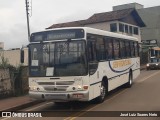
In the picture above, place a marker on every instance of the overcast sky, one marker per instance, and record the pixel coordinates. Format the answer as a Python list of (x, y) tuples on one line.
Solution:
[(13, 25)]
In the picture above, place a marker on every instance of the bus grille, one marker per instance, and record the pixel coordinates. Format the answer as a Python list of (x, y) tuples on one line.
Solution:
[(56, 86)]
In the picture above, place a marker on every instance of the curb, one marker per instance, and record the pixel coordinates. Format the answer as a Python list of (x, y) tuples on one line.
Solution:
[(22, 106)]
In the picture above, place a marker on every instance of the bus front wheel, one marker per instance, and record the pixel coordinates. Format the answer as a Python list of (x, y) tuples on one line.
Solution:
[(103, 90)]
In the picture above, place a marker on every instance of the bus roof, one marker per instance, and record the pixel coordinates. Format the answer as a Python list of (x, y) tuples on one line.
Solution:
[(107, 33), (98, 32)]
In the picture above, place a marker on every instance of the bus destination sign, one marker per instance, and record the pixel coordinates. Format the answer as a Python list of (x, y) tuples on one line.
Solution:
[(57, 35), (52, 36)]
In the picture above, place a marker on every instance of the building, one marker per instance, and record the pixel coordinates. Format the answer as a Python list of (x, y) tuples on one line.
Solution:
[(15, 57), (1, 45), (151, 17), (125, 21)]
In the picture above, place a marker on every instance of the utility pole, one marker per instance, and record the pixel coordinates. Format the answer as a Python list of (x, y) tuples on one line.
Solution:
[(27, 14)]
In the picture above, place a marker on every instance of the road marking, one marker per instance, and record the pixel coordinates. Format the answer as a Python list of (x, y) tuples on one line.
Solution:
[(5, 118), (39, 106), (30, 109), (147, 77), (81, 113)]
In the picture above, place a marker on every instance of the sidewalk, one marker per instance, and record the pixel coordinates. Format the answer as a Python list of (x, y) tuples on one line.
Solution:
[(16, 103)]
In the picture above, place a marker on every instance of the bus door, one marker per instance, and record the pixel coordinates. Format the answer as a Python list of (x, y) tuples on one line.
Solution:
[(93, 69)]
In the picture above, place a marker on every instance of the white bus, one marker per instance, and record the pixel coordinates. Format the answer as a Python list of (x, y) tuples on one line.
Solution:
[(80, 63)]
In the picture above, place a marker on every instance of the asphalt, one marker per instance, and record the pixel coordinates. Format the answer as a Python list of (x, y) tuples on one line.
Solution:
[(18, 103)]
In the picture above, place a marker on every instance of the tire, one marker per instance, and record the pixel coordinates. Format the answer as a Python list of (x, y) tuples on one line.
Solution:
[(103, 92), (130, 81)]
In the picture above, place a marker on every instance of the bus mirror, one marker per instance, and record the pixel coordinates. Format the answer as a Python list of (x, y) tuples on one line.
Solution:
[(22, 56)]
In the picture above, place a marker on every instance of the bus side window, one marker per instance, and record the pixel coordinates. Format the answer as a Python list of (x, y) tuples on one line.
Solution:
[(136, 49), (116, 48), (109, 48), (100, 48), (92, 50), (132, 49), (122, 49), (128, 49)]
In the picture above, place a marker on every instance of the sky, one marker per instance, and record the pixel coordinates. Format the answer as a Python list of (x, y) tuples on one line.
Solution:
[(13, 22)]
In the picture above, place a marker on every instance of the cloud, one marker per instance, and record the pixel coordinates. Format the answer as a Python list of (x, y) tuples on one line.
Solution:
[(16, 36), (13, 25), (7, 3)]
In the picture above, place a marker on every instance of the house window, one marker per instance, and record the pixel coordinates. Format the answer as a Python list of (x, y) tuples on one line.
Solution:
[(113, 27), (121, 27), (135, 30)]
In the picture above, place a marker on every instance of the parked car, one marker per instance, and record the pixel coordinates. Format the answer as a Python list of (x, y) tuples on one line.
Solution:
[(153, 64)]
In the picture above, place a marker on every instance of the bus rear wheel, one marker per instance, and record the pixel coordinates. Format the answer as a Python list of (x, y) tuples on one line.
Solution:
[(103, 90), (130, 81)]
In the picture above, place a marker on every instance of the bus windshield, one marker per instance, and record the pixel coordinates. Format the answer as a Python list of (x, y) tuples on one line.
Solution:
[(154, 60), (65, 58)]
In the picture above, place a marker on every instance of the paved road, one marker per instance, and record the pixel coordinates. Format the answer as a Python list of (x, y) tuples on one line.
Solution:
[(143, 96)]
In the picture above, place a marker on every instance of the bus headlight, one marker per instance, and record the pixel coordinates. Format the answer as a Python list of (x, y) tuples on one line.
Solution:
[(32, 88), (157, 64), (79, 87), (147, 65)]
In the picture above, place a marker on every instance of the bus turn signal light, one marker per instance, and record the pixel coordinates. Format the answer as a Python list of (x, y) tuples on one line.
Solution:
[(85, 87)]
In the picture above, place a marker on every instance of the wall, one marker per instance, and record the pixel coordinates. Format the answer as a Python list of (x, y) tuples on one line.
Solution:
[(102, 26), (14, 56), (1, 45), (151, 17), (25, 63), (106, 26), (5, 82), (127, 6)]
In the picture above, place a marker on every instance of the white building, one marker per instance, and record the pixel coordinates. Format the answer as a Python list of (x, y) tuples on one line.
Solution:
[(15, 57)]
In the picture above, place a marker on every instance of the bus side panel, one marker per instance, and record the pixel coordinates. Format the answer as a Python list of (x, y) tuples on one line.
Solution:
[(96, 79), (95, 84), (117, 81), (136, 73), (136, 68)]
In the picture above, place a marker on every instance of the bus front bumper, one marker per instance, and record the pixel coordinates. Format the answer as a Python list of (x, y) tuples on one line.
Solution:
[(67, 96)]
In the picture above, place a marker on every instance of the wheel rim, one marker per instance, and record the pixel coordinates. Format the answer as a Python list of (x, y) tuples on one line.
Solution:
[(130, 80), (103, 91)]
